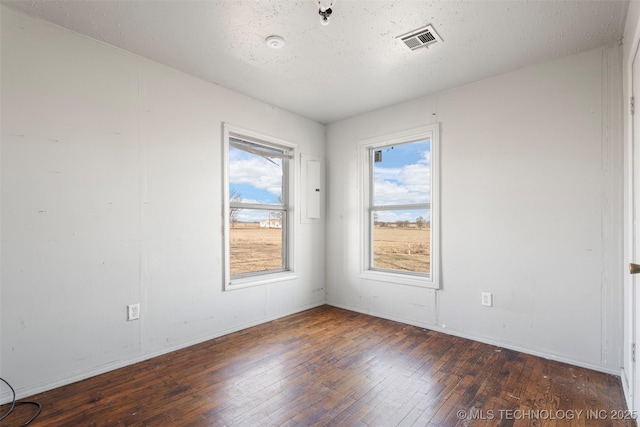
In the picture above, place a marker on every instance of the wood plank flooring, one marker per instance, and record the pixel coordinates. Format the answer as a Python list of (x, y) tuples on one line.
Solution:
[(332, 367)]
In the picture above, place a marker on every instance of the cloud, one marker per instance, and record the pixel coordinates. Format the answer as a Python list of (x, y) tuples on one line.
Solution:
[(256, 171), (404, 185)]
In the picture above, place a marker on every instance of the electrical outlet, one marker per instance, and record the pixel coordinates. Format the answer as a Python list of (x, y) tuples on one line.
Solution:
[(487, 299), (133, 311)]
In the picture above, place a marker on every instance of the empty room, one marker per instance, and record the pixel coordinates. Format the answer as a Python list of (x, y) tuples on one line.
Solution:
[(319, 212)]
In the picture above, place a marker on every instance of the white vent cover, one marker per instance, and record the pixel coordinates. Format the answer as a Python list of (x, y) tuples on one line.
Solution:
[(421, 37)]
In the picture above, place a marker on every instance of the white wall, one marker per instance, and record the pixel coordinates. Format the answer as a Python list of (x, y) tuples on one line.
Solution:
[(111, 195), (531, 210), (630, 42)]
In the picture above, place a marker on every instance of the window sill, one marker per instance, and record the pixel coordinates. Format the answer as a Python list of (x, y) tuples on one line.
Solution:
[(247, 282), (400, 279)]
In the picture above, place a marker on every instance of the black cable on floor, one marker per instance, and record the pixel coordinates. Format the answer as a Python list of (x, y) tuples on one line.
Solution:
[(14, 404)]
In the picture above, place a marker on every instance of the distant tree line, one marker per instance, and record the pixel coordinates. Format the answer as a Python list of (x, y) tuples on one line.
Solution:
[(420, 222)]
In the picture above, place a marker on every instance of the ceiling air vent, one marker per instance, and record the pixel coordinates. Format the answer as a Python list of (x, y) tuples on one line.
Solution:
[(421, 37)]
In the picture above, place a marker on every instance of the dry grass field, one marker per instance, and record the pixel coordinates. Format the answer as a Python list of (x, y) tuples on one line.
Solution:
[(255, 249), (406, 249)]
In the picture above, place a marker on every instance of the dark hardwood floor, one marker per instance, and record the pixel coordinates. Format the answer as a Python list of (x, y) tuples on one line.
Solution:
[(329, 366)]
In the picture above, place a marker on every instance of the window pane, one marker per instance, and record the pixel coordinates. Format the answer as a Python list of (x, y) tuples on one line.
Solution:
[(401, 174), (256, 238), (254, 177), (402, 240)]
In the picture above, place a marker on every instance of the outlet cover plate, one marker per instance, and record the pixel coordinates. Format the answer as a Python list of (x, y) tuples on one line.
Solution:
[(487, 299), (133, 311)]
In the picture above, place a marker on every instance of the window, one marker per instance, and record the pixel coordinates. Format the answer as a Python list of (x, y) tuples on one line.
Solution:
[(400, 219), (257, 208)]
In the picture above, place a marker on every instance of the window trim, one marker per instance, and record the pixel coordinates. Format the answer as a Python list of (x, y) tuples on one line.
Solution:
[(431, 132), (271, 276)]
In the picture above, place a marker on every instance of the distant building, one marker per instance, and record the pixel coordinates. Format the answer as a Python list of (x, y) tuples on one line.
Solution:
[(271, 223)]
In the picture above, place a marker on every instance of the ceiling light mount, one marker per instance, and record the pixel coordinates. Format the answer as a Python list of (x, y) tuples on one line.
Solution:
[(274, 42), (324, 10)]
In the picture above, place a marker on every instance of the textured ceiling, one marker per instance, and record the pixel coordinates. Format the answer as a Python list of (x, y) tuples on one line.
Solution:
[(353, 65)]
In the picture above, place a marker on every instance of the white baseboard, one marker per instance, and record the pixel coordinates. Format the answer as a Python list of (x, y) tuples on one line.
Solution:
[(30, 391), (510, 346)]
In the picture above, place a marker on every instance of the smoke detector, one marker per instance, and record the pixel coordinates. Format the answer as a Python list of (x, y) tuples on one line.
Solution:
[(422, 37), (274, 42)]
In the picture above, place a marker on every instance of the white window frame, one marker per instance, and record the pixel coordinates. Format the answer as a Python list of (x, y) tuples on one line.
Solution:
[(289, 184), (432, 280)]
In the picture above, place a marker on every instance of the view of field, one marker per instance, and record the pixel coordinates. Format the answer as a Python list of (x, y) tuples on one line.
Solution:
[(255, 249), (402, 248)]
